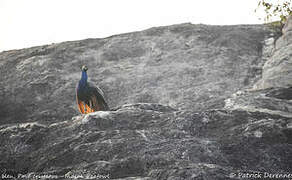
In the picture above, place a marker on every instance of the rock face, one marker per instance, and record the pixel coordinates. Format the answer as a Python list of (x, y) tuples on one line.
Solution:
[(183, 66), (188, 102), (277, 71)]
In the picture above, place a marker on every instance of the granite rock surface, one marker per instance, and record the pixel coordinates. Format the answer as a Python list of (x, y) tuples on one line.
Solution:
[(188, 102)]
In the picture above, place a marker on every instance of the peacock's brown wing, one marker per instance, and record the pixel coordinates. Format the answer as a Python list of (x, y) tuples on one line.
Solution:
[(97, 100), (91, 100)]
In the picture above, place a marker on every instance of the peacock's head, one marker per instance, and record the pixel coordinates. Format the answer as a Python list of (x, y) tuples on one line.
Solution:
[(84, 68)]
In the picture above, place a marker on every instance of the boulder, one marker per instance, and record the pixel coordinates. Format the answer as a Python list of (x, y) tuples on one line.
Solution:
[(187, 102), (277, 70)]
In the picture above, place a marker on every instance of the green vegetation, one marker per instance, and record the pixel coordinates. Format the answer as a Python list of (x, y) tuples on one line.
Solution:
[(276, 9)]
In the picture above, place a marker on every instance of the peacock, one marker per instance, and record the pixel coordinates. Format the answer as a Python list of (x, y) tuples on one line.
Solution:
[(90, 98)]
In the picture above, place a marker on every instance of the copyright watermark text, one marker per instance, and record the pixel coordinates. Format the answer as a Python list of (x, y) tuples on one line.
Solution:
[(53, 176), (261, 175)]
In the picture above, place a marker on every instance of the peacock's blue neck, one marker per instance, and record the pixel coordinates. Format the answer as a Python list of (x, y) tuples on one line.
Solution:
[(83, 79)]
